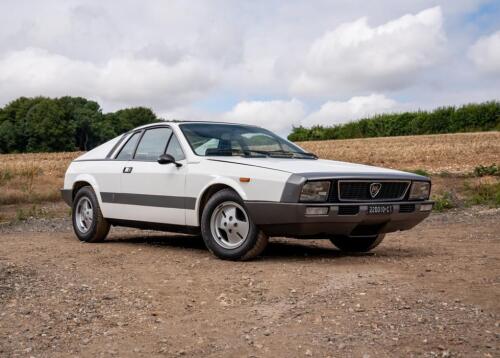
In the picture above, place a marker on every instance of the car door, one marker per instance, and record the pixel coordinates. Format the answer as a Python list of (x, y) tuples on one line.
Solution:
[(153, 192), (108, 175)]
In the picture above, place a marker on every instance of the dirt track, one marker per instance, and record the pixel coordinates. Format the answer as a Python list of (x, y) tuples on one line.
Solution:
[(431, 291)]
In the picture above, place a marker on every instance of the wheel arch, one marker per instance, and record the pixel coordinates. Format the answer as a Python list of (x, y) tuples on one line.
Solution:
[(210, 190), (85, 180)]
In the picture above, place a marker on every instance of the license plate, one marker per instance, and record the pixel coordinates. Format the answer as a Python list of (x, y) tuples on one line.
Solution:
[(380, 209)]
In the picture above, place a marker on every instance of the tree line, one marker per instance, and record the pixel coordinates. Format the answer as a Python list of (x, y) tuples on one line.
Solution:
[(467, 118), (44, 124)]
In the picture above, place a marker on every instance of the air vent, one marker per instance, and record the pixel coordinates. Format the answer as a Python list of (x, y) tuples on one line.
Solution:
[(348, 210), (406, 208)]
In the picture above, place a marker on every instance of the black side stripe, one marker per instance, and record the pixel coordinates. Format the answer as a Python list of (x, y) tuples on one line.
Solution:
[(160, 201)]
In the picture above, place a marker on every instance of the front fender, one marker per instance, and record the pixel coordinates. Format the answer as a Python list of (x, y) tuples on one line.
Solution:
[(231, 183)]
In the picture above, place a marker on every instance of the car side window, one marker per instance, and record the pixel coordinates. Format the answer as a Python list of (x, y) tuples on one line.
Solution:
[(153, 143), (127, 150), (174, 148)]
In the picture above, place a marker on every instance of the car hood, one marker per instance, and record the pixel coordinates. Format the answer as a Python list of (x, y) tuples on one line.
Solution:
[(320, 167)]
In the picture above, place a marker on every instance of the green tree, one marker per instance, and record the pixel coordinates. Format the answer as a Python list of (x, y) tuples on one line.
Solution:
[(48, 130), (129, 118), (7, 137), (83, 113), (15, 112), (66, 123)]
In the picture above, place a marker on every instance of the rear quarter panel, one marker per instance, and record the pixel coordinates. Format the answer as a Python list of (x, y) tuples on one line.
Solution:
[(102, 175)]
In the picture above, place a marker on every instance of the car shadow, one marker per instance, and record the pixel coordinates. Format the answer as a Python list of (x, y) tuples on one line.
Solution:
[(306, 249), (165, 240), (277, 249)]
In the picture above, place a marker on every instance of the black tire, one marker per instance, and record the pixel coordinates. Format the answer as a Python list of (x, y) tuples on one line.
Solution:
[(99, 227), (357, 243), (252, 246)]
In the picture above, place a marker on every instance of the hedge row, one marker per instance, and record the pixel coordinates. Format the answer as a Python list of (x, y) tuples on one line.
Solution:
[(467, 118)]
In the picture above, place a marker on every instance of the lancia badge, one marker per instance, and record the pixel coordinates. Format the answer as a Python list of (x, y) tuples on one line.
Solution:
[(375, 189)]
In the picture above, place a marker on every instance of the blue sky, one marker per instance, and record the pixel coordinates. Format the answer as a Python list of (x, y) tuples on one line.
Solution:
[(272, 63)]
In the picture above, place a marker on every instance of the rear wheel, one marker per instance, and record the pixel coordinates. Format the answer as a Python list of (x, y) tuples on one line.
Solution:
[(357, 243), (228, 231), (88, 223)]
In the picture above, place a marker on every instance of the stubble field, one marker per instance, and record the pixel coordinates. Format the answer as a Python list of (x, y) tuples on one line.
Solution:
[(456, 153), (30, 183), (428, 292)]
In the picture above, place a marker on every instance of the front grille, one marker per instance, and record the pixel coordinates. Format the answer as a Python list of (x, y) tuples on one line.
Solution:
[(406, 208), (348, 210), (359, 190)]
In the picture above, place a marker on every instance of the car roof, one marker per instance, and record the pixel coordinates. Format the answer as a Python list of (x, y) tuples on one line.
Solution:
[(176, 122)]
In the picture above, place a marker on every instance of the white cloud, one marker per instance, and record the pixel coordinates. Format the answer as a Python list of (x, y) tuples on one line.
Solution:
[(123, 80), (278, 116), (333, 112), (356, 56), (485, 53), (206, 60)]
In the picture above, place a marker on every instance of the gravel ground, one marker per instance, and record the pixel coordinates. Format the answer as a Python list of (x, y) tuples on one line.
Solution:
[(433, 291)]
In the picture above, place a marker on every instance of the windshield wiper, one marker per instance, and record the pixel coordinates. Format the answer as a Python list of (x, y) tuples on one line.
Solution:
[(232, 152), (267, 153), (287, 153)]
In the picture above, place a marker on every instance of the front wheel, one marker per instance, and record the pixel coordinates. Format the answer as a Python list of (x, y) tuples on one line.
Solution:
[(228, 231), (88, 223), (357, 243)]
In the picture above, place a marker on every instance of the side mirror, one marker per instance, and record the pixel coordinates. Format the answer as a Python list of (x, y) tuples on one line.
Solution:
[(168, 159)]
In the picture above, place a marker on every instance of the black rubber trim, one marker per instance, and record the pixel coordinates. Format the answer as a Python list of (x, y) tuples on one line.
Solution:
[(138, 142), (117, 144), (161, 201), (293, 187), (185, 229), (365, 176), (67, 196)]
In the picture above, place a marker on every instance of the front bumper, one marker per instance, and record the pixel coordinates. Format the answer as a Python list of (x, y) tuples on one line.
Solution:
[(290, 219)]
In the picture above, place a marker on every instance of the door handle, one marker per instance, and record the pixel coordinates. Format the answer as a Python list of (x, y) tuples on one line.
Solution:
[(127, 170)]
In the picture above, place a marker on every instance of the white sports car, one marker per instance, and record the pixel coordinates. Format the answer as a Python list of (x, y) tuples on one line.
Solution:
[(237, 185)]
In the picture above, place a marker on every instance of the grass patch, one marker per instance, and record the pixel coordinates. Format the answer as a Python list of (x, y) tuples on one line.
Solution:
[(444, 202), (33, 212), (481, 170), (22, 215), (446, 174), (483, 194)]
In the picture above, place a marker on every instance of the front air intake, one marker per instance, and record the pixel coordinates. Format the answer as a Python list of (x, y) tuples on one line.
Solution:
[(371, 190), (348, 210)]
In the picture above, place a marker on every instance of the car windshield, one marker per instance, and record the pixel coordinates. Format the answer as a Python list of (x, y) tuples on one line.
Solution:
[(207, 139)]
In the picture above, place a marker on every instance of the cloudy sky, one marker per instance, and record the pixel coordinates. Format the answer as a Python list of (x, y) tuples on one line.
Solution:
[(271, 63)]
